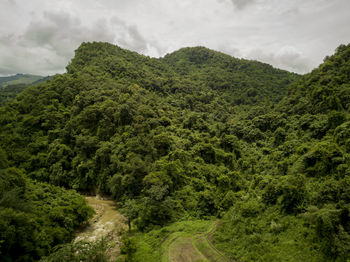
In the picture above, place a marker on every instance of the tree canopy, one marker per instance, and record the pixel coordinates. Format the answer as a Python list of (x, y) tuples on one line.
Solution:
[(194, 134)]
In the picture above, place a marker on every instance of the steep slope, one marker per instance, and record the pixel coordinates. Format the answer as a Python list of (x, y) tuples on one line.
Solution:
[(297, 208), (326, 88), (106, 92), (247, 80)]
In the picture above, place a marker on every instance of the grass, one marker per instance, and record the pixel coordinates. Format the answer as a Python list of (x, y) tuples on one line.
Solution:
[(156, 245), (204, 246), (24, 79), (267, 237)]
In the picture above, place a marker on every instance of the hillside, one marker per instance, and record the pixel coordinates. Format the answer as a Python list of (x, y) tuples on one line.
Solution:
[(245, 79), (297, 205), (11, 86), (18, 79), (191, 136)]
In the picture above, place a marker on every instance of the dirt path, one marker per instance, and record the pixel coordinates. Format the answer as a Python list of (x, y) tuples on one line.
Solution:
[(183, 250), (197, 248), (108, 223)]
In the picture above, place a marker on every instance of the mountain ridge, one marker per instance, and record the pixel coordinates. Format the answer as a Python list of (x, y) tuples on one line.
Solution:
[(18, 79)]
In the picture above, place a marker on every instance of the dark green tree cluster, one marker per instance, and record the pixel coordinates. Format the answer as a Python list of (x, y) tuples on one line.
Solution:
[(9, 93), (35, 216), (197, 134)]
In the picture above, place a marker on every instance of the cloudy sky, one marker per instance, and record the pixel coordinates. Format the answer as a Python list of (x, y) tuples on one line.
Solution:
[(39, 37)]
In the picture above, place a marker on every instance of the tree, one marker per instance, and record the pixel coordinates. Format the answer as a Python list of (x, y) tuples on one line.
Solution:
[(128, 248), (130, 210)]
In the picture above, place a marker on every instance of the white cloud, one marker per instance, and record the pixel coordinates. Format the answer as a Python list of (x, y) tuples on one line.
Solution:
[(40, 36), (287, 57), (49, 41), (240, 4)]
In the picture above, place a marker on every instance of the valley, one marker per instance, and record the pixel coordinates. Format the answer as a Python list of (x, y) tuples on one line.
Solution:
[(209, 157)]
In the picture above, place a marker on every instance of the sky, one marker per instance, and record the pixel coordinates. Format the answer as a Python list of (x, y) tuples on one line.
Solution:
[(40, 36)]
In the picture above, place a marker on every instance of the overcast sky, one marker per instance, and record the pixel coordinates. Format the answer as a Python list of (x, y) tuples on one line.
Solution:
[(39, 37)]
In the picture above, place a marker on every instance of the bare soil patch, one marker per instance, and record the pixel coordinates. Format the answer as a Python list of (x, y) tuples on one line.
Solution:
[(182, 250), (107, 223)]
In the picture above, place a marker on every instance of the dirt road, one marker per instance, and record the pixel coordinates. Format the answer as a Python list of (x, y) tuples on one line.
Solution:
[(197, 248)]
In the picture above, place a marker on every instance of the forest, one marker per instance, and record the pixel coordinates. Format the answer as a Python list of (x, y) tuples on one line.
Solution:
[(196, 135), (11, 86)]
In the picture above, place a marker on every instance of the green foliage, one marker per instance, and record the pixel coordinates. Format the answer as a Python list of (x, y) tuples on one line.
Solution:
[(79, 252), (130, 210), (9, 93), (128, 248), (293, 192), (19, 79), (11, 86), (191, 135), (330, 223), (325, 88), (155, 244), (304, 169), (323, 159), (35, 216), (266, 236)]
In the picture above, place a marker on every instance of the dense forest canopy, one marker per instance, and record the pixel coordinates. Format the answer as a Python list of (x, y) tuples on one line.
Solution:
[(194, 134)]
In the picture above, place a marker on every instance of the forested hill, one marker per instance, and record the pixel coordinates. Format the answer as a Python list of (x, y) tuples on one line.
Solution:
[(108, 92), (220, 71), (251, 80), (298, 201), (193, 135), (11, 86), (18, 79), (326, 88)]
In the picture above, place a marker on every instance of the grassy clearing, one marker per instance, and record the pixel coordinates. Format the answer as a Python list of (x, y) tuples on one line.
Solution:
[(184, 250), (179, 242), (267, 237), (157, 244)]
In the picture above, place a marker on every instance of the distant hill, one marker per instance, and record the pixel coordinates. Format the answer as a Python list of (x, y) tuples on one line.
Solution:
[(19, 79), (42, 80), (11, 86)]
